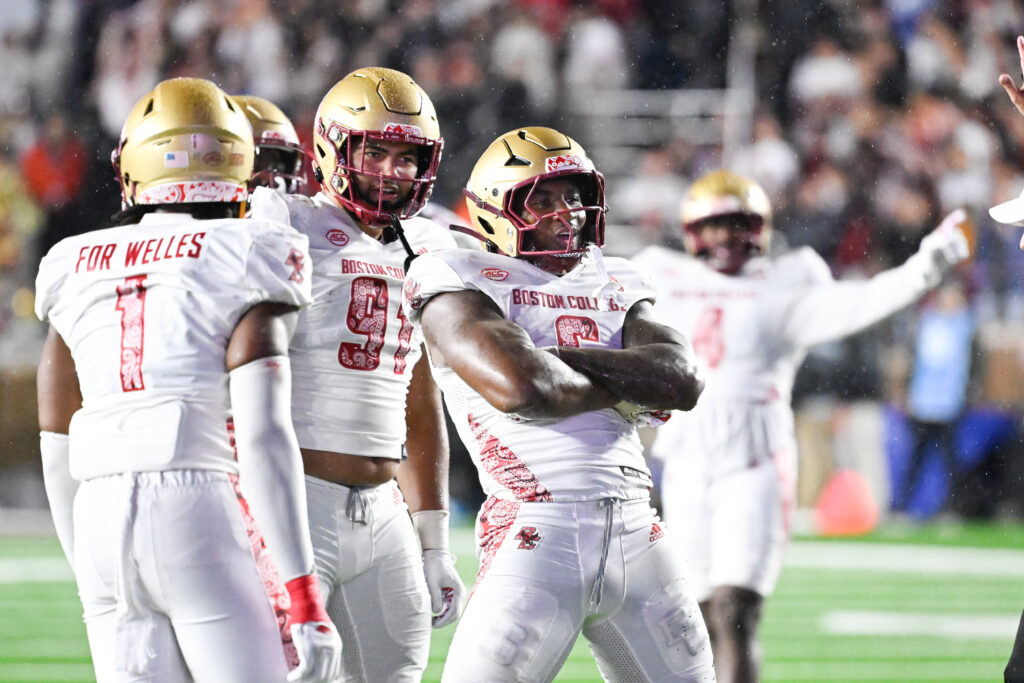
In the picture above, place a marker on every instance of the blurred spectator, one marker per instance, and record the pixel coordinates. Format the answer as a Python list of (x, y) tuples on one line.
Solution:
[(127, 56), (53, 169), (938, 383), (521, 52), (595, 54), (770, 159), (648, 201)]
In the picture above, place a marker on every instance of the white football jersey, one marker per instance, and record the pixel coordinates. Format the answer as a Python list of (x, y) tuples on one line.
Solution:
[(585, 457), (147, 311), (354, 349), (751, 332)]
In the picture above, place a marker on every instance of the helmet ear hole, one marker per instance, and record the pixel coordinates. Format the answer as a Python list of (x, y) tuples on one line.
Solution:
[(486, 226)]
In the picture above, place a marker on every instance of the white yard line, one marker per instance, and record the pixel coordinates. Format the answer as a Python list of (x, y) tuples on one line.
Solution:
[(35, 570), (918, 559), (949, 626)]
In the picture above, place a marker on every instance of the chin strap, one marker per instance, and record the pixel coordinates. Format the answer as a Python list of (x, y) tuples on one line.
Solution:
[(609, 290), (396, 226)]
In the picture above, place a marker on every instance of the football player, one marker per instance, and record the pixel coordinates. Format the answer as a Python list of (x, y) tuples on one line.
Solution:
[(548, 355), (160, 329), (730, 464), (365, 406), (1012, 213), (279, 154)]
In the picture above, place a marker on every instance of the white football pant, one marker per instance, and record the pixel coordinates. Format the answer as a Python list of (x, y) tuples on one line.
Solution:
[(371, 575), (733, 530), (168, 582), (553, 570)]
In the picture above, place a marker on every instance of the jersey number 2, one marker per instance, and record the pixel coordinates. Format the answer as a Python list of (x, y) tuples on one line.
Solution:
[(131, 301), (572, 329), (368, 316)]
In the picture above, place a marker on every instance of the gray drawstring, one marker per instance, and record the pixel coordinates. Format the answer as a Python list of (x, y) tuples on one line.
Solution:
[(609, 509), (357, 505)]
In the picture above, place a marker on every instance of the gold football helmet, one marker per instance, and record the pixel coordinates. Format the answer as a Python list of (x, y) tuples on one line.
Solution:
[(508, 172), (185, 141), (726, 198), (375, 104), (279, 153)]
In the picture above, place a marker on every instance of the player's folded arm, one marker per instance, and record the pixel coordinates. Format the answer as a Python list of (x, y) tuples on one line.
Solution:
[(496, 358), (656, 368)]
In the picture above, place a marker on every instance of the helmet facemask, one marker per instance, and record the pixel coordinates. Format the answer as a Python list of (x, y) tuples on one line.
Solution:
[(585, 222), (744, 240), (341, 184), (278, 165)]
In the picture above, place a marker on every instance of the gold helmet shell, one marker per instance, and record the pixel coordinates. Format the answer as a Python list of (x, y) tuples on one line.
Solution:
[(279, 153), (508, 171), (379, 104), (185, 141), (723, 194)]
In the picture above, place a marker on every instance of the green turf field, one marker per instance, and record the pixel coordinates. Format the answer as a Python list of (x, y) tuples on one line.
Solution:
[(934, 603)]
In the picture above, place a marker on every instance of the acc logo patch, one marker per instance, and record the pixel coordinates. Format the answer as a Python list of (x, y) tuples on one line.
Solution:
[(337, 237), (528, 538), (403, 128), (563, 162), (496, 274), (213, 158)]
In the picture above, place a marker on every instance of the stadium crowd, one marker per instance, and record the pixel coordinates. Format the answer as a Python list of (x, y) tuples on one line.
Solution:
[(873, 120)]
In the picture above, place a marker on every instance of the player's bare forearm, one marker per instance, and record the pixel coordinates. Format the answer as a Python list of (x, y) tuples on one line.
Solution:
[(423, 476), (661, 376), (497, 359), (655, 368), (58, 392)]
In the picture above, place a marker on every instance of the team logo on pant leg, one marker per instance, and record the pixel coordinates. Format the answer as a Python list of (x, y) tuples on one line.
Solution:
[(528, 538)]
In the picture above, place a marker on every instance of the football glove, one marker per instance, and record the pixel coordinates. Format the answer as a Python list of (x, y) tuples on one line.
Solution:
[(640, 415), (446, 589), (315, 639), (945, 246)]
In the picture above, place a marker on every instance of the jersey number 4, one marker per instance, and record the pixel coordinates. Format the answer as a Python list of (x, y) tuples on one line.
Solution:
[(368, 316), (708, 341), (131, 301)]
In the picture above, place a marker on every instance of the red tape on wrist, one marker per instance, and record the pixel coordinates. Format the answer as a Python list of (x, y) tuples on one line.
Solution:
[(307, 605)]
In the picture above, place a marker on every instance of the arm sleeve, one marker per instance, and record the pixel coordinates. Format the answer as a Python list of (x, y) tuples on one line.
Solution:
[(269, 463), (816, 314), (60, 488)]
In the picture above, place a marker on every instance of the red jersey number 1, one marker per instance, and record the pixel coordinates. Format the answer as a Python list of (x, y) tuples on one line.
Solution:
[(131, 301)]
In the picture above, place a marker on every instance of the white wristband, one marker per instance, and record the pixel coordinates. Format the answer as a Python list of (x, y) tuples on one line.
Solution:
[(432, 527)]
